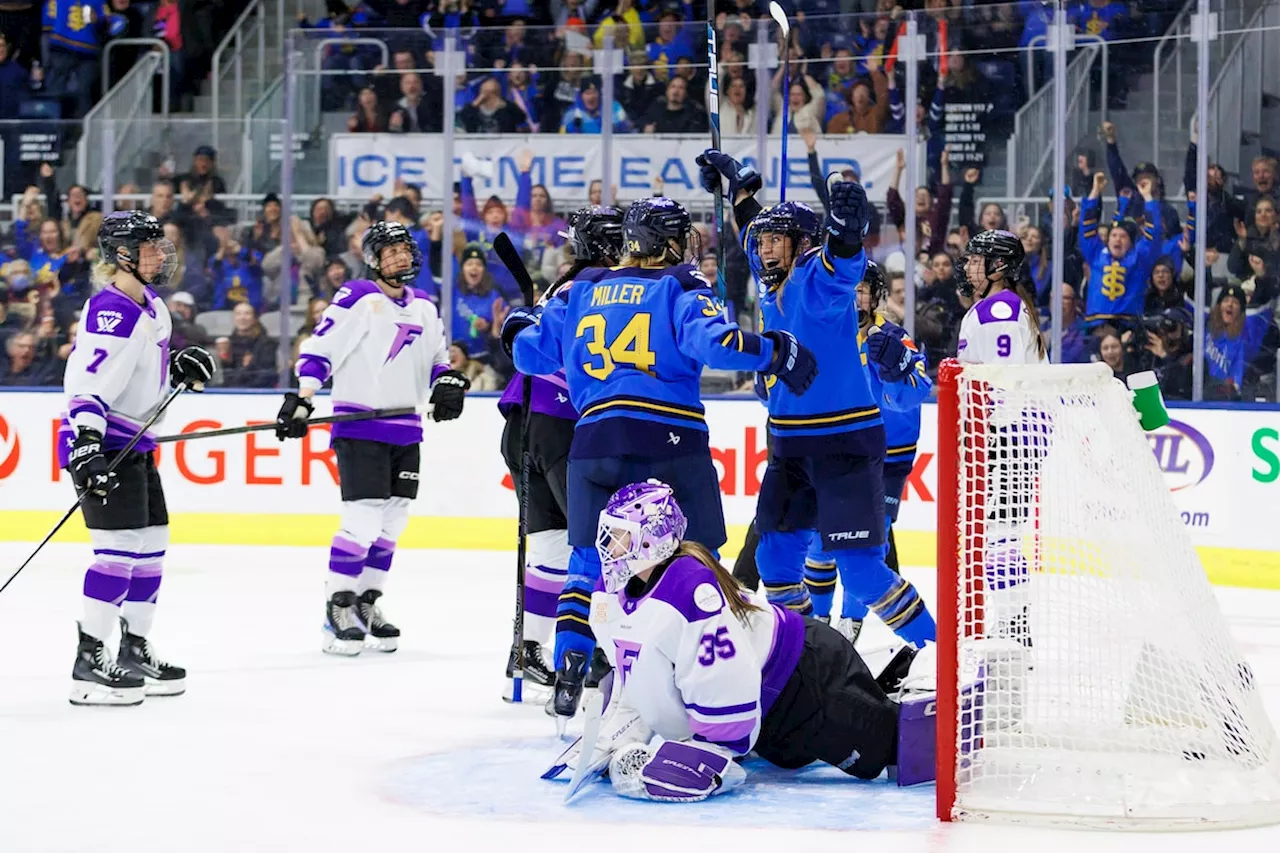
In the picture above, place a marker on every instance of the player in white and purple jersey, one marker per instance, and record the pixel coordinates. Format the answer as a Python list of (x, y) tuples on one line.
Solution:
[(383, 345), (1003, 327), (709, 672), (595, 238), (118, 374)]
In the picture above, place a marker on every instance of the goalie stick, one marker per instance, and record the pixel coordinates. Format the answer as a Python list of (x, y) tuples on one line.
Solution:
[(115, 463), (587, 772), (510, 258)]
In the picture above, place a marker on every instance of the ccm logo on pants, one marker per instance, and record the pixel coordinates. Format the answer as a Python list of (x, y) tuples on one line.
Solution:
[(408, 475)]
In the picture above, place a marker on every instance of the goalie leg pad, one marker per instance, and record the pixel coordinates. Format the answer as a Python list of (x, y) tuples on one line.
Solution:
[(620, 727), (674, 772)]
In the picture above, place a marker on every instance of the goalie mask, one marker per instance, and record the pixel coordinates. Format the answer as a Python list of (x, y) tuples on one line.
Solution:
[(640, 527), (790, 219)]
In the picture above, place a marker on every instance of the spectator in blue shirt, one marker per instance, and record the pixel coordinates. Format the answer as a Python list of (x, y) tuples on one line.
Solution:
[(585, 115)]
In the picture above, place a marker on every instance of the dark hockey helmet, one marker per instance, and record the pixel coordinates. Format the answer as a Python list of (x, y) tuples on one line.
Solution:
[(794, 219), (379, 236), (595, 234), (651, 224), (120, 240), (1003, 253), (873, 277)]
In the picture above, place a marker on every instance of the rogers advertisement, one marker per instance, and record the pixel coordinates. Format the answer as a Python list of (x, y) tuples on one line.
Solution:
[(1222, 466)]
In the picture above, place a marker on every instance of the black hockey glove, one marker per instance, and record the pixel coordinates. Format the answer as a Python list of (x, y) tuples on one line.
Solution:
[(88, 466), (192, 365), (712, 164), (847, 213), (517, 321), (891, 354), (793, 363), (447, 394), (291, 422)]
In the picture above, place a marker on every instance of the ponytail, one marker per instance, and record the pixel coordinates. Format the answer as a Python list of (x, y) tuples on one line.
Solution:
[(1026, 290), (739, 605)]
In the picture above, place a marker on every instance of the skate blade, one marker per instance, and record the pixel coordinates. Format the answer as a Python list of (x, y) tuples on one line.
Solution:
[(331, 645), (172, 687), (381, 644), (90, 694)]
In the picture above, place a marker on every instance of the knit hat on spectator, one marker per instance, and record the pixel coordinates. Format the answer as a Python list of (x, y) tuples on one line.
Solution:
[(672, 7), (474, 250), (588, 81), (207, 151), (1236, 291), (1146, 168), (269, 198), (183, 298), (1177, 315)]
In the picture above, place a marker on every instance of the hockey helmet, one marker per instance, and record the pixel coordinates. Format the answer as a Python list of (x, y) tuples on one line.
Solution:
[(640, 526), (794, 219), (650, 225), (120, 240), (379, 236), (595, 234), (1003, 253), (873, 278)]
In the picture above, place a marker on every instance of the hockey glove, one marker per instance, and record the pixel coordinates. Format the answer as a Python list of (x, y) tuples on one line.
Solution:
[(793, 363), (712, 164), (517, 321), (760, 385), (88, 466), (447, 394), (192, 365), (847, 213), (674, 771), (891, 354), (291, 422)]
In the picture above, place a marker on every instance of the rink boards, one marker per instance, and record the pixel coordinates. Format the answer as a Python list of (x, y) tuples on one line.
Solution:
[(1222, 465)]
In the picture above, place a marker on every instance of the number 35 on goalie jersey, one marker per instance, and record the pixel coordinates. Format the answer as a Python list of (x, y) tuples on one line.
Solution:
[(632, 343)]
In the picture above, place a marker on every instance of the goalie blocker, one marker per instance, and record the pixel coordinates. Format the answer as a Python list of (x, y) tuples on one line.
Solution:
[(709, 673)]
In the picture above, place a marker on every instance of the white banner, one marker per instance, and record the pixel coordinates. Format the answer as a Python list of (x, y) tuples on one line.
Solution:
[(1223, 466), (361, 164)]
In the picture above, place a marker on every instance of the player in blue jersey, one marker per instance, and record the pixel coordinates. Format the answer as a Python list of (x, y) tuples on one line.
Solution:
[(1119, 270), (595, 238), (900, 402), (632, 341), (828, 446)]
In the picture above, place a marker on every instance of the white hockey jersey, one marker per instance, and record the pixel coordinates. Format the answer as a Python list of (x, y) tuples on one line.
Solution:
[(118, 371), (998, 330), (381, 353), (687, 666)]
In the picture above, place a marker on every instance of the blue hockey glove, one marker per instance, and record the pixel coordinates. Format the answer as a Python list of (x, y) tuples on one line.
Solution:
[(517, 321), (848, 213), (793, 363), (712, 164), (890, 354)]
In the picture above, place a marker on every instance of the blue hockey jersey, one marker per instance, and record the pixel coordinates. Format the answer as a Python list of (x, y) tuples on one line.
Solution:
[(899, 401), (632, 343), (838, 413), (1117, 286)]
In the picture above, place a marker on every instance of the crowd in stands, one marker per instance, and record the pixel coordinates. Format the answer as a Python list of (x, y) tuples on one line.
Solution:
[(1127, 271)]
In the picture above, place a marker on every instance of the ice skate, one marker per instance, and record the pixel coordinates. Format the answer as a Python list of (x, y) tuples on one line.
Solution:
[(97, 680), (342, 632), (538, 680), (849, 628), (379, 633), (563, 703), (599, 668), (138, 656)]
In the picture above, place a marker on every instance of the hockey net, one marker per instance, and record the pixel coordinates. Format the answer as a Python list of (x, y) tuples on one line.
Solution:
[(1086, 674)]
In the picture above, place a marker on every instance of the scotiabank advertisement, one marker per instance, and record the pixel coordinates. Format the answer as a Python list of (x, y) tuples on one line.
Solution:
[(1221, 465)]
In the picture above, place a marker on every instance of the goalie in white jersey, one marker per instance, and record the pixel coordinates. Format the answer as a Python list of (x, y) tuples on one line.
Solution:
[(710, 672), (1003, 327), (117, 376), (383, 345)]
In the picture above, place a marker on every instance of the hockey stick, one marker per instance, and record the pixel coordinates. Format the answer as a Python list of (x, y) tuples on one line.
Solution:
[(511, 260), (713, 112), (586, 772), (115, 463), (328, 419), (779, 15)]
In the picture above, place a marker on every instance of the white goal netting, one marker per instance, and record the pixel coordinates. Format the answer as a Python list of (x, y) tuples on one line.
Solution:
[(1098, 683)]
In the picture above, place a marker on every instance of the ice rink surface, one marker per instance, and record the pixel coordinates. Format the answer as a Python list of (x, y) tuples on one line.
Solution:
[(276, 747)]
